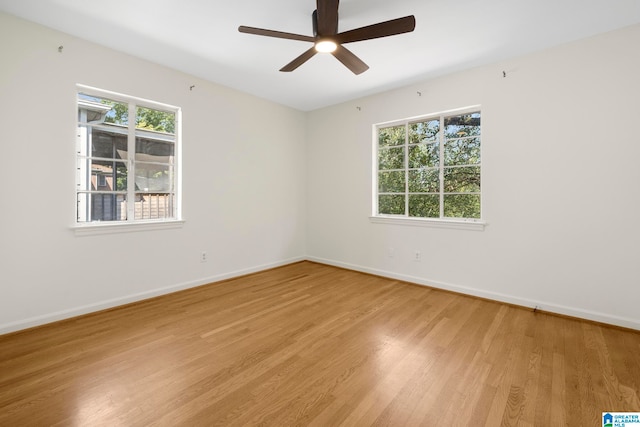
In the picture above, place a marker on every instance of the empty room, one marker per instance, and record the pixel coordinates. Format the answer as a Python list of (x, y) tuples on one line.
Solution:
[(312, 212)]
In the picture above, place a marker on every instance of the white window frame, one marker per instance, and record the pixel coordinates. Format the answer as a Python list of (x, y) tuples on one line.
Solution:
[(132, 224), (475, 224)]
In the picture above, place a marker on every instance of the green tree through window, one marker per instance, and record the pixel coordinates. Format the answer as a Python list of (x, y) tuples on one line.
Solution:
[(430, 167)]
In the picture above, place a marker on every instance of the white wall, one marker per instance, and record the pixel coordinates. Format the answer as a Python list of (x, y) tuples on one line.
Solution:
[(244, 199), (561, 176), (560, 183)]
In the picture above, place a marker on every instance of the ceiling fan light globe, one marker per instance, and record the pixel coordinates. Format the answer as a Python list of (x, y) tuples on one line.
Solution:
[(326, 46)]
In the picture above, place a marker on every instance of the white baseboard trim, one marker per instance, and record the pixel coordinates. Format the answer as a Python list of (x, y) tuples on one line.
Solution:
[(509, 299), (115, 302), (494, 296)]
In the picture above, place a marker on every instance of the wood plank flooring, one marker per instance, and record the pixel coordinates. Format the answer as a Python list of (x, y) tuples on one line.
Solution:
[(309, 344)]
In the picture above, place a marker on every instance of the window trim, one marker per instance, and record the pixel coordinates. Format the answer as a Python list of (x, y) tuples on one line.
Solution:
[(131, 224), (447, 223), (111, 227), (474, 225)]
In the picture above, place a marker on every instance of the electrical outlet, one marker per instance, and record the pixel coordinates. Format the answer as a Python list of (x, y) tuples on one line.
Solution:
[(417, 256), (203, 256), (391, 252)]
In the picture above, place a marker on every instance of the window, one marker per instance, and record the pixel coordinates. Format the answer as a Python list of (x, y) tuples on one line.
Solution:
[(429, 167), (127, 169)]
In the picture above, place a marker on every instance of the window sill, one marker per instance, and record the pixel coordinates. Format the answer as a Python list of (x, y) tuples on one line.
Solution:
[(474, 225), (96, 228)]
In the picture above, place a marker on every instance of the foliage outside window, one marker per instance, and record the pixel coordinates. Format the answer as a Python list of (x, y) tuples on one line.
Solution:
[(126, 159), (430, 167)]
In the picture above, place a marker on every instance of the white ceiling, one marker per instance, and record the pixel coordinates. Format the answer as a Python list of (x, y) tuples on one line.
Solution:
[(200, 37)]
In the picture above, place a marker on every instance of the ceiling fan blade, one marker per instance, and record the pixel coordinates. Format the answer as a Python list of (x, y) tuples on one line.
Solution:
[(299, 60), (350, 60), (327, 17), (382, 29), (277, 34)]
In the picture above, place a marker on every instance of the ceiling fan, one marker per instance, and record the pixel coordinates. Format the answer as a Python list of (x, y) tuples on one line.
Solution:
[(326, 37)]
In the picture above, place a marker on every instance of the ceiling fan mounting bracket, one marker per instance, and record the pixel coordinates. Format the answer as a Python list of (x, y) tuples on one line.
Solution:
[(314, 24)]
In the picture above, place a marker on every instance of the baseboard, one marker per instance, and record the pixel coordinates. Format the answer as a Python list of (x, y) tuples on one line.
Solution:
[(509, 299), (494, 296), (104, 305)]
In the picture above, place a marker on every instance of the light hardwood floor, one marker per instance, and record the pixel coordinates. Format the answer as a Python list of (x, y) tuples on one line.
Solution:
[(309, 344)]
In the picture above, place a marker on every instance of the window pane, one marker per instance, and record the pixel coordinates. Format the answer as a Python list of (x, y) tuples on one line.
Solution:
[(153, 178), (426, 131), (109, 145), (154, 205), (465, 151), (101, 207), (462, 125), (391, 158), (155, 120), (424, 206), (391, 182), (462, 179), (391, 204), (424, 181), (110, 173), (462, 205), (154, 150), (93, 109), (424, 155), (391, 136)]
